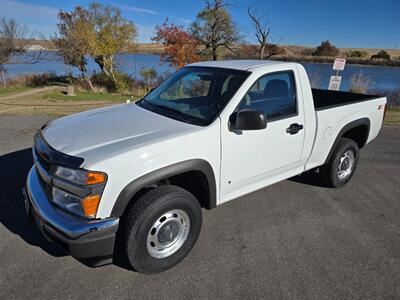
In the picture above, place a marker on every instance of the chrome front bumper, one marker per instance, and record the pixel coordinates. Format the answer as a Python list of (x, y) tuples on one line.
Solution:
[(82, 238)]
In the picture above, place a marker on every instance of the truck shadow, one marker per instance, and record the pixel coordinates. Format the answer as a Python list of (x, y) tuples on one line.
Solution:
[(14, 168), (309, 178)]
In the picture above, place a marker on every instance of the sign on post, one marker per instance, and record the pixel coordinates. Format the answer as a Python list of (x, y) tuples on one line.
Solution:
[(334, 83), (339, 64)]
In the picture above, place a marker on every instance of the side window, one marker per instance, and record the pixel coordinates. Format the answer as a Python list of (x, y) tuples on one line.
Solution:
[(274, 94)]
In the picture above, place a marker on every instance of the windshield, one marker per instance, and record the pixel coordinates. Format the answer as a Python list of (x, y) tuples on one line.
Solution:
[(195, 94)]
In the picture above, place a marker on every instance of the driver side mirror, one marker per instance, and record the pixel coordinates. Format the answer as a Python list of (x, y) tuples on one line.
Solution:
[(248, 119)]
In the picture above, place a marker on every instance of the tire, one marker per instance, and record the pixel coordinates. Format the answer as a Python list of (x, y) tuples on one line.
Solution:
[(161, 228), (336, 173)]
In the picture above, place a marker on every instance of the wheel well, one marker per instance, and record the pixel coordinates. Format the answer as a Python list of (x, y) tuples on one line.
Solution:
[(195, 175), (357, 131), (194, 182), (359, 134)]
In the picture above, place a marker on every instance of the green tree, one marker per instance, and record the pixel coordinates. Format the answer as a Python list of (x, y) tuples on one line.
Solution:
[(381, 55), (214, 28), (99, 31), (148, 74), (326, 49), (113, 34), (74, 39)]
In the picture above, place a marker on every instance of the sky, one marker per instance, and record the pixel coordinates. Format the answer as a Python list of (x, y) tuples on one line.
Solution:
[(346, 23)]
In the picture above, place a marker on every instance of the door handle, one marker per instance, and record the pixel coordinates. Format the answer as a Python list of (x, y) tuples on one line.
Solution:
[(294, 128)]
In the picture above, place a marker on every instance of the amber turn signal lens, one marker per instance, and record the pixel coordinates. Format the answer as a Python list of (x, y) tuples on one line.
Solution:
[(90, 205), (95, 177)]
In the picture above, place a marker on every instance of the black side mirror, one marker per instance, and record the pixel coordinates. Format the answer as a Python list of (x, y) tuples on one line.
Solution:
[(248, 119)]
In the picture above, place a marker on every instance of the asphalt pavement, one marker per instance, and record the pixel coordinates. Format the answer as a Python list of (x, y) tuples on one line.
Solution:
[(291, 240)]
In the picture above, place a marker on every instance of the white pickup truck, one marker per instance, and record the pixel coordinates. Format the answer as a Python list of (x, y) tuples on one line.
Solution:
[(130, 180)]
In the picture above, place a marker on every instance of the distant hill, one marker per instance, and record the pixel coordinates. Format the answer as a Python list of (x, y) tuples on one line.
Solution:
[(292, 53), (290, 50)]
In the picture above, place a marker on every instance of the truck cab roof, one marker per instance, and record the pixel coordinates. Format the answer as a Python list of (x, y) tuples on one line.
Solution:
[(244, 65)]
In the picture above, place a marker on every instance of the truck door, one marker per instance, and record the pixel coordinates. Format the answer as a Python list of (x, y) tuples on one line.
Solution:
[(252, 159)]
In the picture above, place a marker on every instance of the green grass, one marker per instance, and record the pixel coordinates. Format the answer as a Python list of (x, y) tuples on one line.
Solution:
[(13, 90), (84, 96)]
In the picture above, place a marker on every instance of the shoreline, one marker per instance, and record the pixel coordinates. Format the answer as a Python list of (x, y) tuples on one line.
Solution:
[(300, 59), (330, 60)]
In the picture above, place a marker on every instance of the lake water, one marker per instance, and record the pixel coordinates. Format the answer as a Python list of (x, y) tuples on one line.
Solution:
[(385, 78)]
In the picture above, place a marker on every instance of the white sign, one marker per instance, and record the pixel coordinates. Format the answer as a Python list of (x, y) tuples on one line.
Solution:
[(334, 83), (339, 64)]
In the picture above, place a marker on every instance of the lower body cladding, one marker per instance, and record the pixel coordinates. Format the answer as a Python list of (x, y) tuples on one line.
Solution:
[(83, 239)]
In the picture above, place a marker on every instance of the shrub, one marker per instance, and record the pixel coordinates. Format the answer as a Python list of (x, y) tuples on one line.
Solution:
[(326, 49), (360, 83), (381, 55), (122, 84), (148, 74), (357, 54), (393, 97), (37, 80)]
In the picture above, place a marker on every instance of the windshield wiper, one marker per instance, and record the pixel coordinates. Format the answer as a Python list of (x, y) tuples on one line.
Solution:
[(175, 113)]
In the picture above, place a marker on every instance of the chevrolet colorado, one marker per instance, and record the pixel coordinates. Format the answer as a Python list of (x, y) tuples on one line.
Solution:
[(130, 180)]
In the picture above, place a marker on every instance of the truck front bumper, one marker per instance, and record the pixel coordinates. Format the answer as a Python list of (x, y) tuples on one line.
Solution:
[(81, 238)]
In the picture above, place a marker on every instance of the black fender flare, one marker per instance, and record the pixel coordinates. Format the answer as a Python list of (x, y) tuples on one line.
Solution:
[(347, 127), (139, 183)]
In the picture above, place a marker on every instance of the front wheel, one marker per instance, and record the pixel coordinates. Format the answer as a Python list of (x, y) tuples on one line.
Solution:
[(161, 228), (342, 164)]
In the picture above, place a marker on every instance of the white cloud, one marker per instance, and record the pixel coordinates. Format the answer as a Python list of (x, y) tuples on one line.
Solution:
[(12, 8), (40, 19), (139, 10), (182, 20)]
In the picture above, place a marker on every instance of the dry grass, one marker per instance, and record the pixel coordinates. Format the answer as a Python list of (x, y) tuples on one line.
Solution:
[(360, 83), (35, 80), (315, 79), (149, 48)]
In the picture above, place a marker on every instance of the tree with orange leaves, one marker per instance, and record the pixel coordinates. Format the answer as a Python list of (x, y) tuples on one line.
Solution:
[(180, 47)]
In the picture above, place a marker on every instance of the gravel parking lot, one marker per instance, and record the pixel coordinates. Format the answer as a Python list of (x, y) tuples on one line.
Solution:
[(291, 240)]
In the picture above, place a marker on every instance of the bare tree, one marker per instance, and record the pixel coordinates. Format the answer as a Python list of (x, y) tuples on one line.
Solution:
[(14, 40), (266, 49)]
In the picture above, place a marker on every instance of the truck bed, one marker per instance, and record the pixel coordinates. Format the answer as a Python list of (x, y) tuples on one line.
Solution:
[(324, 99)]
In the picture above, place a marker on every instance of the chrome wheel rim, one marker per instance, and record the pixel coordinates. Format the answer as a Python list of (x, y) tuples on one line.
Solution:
[(168, 233), (346, 164)]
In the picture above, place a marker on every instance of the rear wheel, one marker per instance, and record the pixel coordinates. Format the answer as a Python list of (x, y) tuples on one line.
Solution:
[(342, 164), (161, 228)]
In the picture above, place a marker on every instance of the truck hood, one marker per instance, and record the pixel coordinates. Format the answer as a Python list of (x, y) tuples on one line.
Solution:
[(128, 124)]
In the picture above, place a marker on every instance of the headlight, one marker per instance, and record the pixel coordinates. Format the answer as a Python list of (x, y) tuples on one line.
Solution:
[(84, 207), (92, 185), (80, 176), (68, 201)]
